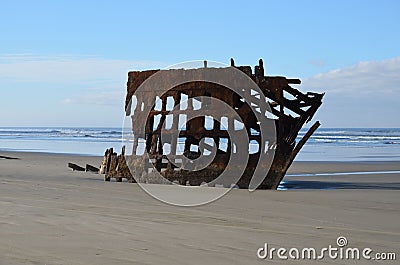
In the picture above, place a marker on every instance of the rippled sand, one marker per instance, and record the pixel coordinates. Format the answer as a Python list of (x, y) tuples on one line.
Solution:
[(51, 215)]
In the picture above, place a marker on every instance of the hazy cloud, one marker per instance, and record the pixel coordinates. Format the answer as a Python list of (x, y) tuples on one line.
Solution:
[(100, 97), (382, 77), (362, 95), (67, 69), (67, 101), (317, 63), (86, 79)]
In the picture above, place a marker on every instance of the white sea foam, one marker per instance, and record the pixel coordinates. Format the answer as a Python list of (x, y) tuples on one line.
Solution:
[(326, 144)]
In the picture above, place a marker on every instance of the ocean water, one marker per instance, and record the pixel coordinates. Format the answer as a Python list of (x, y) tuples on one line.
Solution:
[(327, 144), (83, 141), (355, 144)]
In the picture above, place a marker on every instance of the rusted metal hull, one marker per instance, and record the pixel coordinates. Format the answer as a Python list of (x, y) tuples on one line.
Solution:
[(290, 108)]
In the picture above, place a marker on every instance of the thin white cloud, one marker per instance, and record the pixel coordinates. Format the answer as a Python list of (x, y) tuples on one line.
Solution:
[(99, 97), (67, 69), (363, 95), (67, 101), (317, 63), (86, 79), (369, 77)]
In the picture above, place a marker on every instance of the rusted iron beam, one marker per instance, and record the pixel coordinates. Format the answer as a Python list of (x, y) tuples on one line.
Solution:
[(75, 167), (300, 145)]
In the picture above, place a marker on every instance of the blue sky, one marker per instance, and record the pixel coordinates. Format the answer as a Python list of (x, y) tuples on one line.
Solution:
[(64, 63)]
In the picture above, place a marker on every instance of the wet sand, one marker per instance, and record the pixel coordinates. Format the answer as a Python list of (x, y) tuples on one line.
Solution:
[(52, 215)]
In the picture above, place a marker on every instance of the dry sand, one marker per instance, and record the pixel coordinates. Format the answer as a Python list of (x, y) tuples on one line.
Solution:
[(51, 215)]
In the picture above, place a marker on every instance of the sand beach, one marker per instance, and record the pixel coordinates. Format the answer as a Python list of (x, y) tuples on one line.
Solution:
[(52, 215)]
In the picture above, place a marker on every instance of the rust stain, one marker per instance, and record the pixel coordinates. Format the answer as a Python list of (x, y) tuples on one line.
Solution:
[(290, 110)]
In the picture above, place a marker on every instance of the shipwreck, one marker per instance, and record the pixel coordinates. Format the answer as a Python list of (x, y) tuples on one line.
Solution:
[(283, 108)]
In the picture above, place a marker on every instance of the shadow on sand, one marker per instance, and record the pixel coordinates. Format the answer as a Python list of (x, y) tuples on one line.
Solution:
[(326, 185)]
